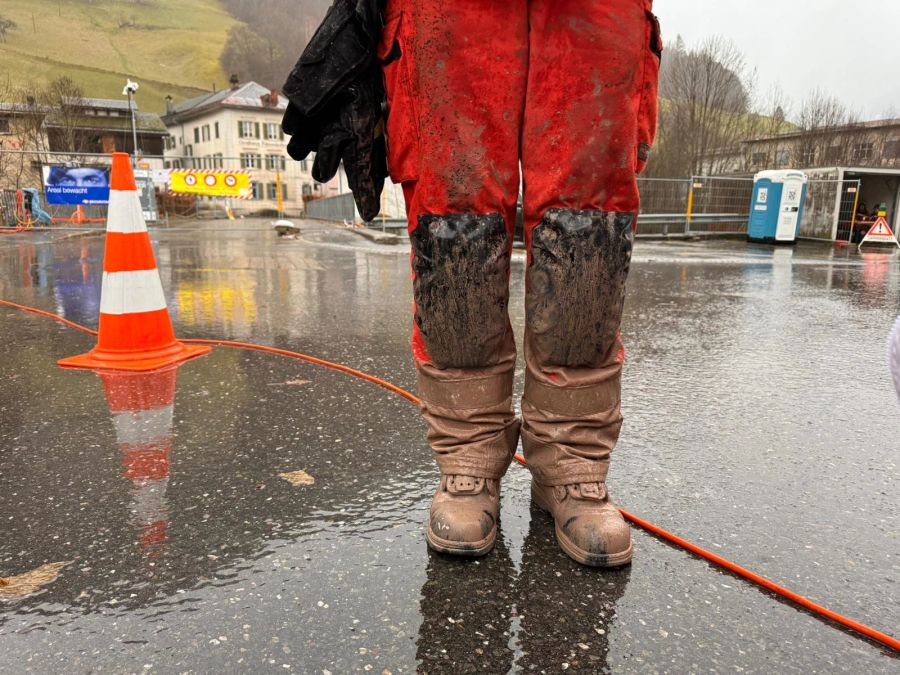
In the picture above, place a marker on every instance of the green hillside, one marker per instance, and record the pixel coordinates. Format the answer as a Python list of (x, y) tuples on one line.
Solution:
[(167, 46)]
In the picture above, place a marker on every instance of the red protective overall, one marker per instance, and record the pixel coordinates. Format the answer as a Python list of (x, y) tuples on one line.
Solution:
[(567, 88)]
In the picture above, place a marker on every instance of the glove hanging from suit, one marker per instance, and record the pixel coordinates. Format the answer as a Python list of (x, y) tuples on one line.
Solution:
[(337, 101)]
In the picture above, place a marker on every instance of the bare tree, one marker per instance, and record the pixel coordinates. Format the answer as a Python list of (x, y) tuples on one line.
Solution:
[(706, 94), (252, 57), (830, 133), (64, 124), (769, 120), (19, 165), (283, 28)]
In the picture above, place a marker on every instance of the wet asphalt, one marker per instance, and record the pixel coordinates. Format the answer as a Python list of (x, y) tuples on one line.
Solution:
[(761, 423)]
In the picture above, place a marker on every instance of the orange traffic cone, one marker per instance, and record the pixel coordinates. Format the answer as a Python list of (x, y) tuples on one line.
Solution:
[(142, 406), (135, 331)]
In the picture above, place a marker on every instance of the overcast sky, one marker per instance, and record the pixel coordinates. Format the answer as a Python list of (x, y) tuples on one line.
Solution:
[(848, 48)]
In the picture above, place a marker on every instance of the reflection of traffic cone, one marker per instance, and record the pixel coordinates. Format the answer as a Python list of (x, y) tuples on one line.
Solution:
[(142, 405), (135, 330)]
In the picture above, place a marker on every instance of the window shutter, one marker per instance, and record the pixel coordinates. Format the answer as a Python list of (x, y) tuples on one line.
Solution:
[(256, 128), (240, 130)]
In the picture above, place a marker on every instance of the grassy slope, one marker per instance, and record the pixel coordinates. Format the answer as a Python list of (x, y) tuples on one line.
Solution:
[(173, 48)]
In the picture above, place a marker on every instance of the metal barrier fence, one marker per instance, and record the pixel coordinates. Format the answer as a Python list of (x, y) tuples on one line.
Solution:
[(829, 212), (663, 205), (718, 204), (338, 208), (669, 207), (268, 168)]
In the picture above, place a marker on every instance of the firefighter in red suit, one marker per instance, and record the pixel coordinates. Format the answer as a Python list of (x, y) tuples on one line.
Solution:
[(557, 98)]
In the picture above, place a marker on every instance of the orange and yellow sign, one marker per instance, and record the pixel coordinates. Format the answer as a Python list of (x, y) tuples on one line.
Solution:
[(211, 183)]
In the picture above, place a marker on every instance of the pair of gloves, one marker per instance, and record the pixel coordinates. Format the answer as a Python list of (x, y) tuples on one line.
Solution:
[(337, 102)]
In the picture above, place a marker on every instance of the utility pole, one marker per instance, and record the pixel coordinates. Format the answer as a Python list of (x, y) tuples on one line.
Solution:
[(130, 89)]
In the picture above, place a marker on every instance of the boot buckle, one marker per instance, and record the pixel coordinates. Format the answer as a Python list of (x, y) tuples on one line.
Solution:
[(464, 485)]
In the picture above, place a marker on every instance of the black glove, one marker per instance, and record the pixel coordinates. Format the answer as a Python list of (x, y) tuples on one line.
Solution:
[(336, 102)]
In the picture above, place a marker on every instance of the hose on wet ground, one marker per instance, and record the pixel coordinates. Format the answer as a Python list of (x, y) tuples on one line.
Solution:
[(812, 607)]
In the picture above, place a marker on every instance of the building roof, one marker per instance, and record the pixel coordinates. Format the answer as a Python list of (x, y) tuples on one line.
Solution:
[(249, 95), (107, 103), (145, 123), (23, 108), (874, 125)]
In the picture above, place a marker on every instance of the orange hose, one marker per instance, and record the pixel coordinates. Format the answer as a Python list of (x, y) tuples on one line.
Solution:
[(49, 315), (743, 572), (312, 359)]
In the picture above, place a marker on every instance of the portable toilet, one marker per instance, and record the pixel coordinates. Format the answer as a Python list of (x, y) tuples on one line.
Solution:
[(777, 206)]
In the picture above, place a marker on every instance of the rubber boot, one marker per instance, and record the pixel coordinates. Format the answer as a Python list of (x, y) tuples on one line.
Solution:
[(589, 527), (466, 509), (569, 434)]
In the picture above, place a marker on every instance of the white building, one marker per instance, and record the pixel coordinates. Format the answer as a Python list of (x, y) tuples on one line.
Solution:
[(240, 128)]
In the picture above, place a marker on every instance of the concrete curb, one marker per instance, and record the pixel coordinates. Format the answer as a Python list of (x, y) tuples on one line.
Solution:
[(376, 236), (79, 235)]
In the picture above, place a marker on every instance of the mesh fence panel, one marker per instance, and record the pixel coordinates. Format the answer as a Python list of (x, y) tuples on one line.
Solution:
[(719, 204)]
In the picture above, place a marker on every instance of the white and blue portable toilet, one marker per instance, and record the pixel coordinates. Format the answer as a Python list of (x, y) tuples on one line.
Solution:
[(777, 207)]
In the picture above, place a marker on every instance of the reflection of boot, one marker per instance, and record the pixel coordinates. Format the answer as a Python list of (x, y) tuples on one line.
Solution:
[(566, 611), (466, 615)]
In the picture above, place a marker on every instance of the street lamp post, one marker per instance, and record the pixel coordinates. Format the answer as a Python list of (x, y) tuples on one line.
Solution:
[(129, 90)]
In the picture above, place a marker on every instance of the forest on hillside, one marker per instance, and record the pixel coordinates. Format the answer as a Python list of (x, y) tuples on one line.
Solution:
[(268, 43)]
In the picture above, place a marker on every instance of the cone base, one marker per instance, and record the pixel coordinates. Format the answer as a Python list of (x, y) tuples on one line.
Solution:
[(137, 361)]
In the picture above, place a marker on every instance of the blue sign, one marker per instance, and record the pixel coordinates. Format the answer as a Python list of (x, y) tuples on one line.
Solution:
[(76, 185)]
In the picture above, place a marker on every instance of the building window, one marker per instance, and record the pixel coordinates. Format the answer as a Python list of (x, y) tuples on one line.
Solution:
[(304, 165), (276, 162), (783, 158), (196, 134), (807, 157), (251, 161), (892, 149), (307, 189), (189, 150), (863, 152), (758, 159), (248, 129), (4, 126), (216, 128), (257, 190), (205, 132), (834, 153), (272, 189), (273, 131)]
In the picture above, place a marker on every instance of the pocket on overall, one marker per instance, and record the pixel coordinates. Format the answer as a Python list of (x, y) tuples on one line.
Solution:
[(402, 118), (648, 108)]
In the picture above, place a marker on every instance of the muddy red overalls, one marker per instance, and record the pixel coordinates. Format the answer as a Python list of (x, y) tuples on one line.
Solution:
[(566, 89)]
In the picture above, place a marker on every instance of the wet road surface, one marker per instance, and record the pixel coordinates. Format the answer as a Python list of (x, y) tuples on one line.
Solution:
[(761, 423)]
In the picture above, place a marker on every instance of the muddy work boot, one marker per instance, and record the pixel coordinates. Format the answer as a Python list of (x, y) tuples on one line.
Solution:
[(589, 527), (464, 514)]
